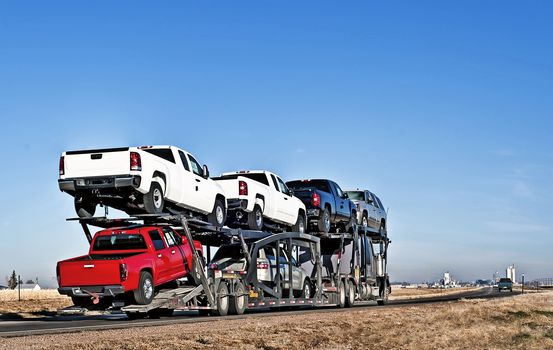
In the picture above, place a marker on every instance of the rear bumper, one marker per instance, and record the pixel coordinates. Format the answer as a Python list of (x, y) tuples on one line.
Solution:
[(99, 183), (86, 291), (237, 204), (313, 213)]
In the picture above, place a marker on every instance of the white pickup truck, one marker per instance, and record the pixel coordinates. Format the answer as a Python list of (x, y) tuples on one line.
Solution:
[(259, 199), (141, 179)]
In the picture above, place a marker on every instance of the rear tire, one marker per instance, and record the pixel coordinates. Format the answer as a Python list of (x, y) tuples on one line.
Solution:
[(145, 292), (218, 216), (306, 290), (323, 224), (222, 300), (255, 219), (84, 207), (299, 226), (341, 295), (350, 293), (238, 302), (153, 200)]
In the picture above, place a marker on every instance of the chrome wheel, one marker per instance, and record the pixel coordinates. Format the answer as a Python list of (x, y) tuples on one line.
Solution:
[(365, 222), (220, 215), (258, 218), (148, 289), (301, 226), (158, 198), (327, 220)]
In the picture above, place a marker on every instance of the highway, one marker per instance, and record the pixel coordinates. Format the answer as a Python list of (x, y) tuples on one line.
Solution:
[(67, 324)]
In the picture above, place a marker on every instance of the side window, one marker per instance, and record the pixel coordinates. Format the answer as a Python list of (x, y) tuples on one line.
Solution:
[(339, 191), (175, 236), (184, 161), (370, 199), (156, 239), (196, 167), (379, 202), (282, 186), (169, 239), (275, 182), (164, 153)]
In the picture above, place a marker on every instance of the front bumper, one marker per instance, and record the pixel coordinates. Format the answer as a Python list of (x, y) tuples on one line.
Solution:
[(103, 182), (86, 291)]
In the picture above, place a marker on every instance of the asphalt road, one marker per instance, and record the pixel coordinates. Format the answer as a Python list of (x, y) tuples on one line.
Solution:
[(66, 324)]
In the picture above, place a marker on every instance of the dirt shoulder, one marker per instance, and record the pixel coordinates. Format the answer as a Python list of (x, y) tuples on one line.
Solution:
[(523, 322)]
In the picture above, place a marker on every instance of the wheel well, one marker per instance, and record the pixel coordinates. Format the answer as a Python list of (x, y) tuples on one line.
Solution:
[(163, 177), (260, 196), (302, 213), (365, 213), (148, 269), (383, 223), (221, 197), (327, 205)]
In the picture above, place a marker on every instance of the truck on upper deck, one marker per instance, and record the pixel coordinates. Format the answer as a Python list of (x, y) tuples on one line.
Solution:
[(328, 207), (260, 199), (149, 179)]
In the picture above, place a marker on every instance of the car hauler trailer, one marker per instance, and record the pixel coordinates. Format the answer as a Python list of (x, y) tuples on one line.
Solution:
[(342, 268)]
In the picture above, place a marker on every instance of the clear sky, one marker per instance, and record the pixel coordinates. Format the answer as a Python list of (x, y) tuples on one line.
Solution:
[(443, 109)]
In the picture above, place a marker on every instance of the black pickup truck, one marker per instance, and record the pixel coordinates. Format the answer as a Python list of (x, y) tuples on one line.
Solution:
[(328, 207)]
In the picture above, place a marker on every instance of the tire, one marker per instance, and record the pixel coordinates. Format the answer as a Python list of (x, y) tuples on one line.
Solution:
[(82, 302), (222, 300), (157, 313), (84, 207), (306, 289), (255, 219), (299, 226), (238, 302), (351, 223), (383, 293), (350, 294), (136, 315), (218, 216), (323, 224), (145, 292), (153, 200), (341, 295)]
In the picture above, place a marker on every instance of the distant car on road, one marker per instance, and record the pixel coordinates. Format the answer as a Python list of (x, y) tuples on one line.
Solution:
[(370, 210), (505, 284)]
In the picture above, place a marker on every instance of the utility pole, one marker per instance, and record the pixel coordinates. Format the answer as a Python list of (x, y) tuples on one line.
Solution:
[(523, 283), (19, 287)]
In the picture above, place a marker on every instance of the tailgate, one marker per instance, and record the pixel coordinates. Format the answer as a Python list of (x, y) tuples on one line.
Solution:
[(102, 162), (89, 273), (229, 186), (304, 195)]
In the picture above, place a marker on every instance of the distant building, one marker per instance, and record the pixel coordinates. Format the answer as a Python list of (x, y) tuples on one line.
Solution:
[(30, 286), (510, 273), (447, 278)]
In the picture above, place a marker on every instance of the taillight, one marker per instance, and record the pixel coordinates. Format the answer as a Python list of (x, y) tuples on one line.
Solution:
[(316, 199), (262, 265), (62, 165), (136, 163), (242, 188), (123, 272)]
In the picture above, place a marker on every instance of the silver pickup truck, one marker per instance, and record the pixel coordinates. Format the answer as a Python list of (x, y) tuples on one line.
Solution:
[(370, 211)]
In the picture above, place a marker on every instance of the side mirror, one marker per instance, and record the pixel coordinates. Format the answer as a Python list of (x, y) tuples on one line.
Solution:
[(205, 172), (345, 195), (290, 192)]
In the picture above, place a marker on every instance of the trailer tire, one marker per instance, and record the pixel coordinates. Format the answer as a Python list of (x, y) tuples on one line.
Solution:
[(323, 224), (350, 293), (238, 301), (222, 300), (255, 219), (153, 200), (218, 216), (84, 207), (158, 313), (136, 315), (383, 292), (306, 289), (145, 292), (341, 295)]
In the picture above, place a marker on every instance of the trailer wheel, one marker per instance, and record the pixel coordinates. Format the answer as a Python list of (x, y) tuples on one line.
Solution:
[(136, 315), (153, 200), (383, 292), (145, 292), (323, 224), (341, 295), (255, 219), (306, 290), (239, 300), (350, 293), (84, 207), (222, 300), (218, 216), (157, 313)]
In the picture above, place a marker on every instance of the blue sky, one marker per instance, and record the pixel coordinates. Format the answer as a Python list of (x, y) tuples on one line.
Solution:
[(444, 110)]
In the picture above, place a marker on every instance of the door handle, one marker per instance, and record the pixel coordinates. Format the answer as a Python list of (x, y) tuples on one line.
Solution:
[(172, 252), (198, 180), (285, 198), (159, 255)]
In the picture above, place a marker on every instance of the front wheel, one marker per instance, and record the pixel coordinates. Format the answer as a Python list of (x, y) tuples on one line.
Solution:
[(222, 300), (239, 300), (218, 215), (350, 291), (341, 295), (299, 226), (255, 219)]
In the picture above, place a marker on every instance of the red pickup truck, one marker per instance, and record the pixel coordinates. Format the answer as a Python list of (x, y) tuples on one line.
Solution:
[(126, 263)]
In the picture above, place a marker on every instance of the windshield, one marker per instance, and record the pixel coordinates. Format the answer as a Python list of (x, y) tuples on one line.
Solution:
[(119, 242), (321, 185), (356, 195), (229, 257), (505, 280)]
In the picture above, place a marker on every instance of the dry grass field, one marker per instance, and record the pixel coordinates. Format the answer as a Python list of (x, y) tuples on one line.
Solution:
[(413, 293), (33, 303), (519, 322)]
